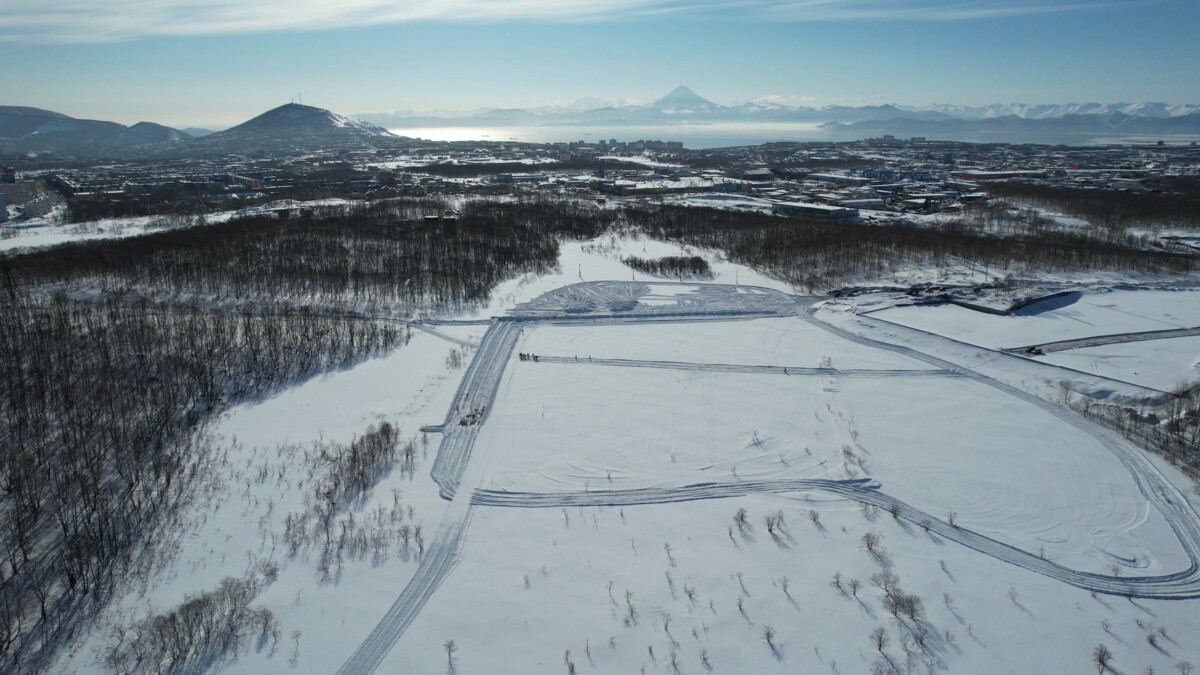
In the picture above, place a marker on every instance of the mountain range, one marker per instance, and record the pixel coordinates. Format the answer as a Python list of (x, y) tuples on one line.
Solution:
[(292, 126), (34, 129), (25, 129), (683, 105)]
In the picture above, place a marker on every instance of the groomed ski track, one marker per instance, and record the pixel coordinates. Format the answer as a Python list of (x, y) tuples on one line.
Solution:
[(473, 401)]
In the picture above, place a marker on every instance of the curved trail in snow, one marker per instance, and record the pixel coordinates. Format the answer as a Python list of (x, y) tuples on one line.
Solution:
[(662, 495), (1151, 483), (436, 563), (473, 401), (1180, 585)]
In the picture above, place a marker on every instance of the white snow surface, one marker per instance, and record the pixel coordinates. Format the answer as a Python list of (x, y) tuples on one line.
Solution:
[(660, 406), (1092, 313), (51, 231), (1159, 364)]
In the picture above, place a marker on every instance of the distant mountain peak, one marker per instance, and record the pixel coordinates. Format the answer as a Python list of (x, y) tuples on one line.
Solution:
[(682, 98)]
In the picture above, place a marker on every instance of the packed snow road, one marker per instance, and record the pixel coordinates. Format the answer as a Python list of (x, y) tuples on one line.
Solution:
[(472, 403), (1101, 340)]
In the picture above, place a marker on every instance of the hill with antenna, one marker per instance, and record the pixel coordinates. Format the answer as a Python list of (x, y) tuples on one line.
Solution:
[(296, 122)]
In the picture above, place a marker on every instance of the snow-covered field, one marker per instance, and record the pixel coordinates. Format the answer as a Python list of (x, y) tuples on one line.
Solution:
[(1161, 364), (1078, 315), (1122, 324), (593, 526)]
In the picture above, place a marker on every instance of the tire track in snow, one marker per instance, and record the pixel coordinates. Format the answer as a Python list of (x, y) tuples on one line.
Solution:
[(1101, 340), (424, 327), (469, 409), (1152, 484), (657, 495), (472, 404), (436, 563), (1179, 585), (744, 368)]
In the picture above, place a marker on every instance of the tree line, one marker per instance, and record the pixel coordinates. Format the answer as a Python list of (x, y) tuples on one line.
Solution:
[(671, 266), (101, 405), (820, 254), (1178, 205), (376, 256)]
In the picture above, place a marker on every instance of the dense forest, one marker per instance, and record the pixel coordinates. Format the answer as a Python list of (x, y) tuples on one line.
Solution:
[(99, 445), (671, 266), (383, 256), (818, 255), (1175, 204)]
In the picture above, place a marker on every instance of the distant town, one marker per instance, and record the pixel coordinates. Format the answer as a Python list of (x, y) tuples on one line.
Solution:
[(885, 179)]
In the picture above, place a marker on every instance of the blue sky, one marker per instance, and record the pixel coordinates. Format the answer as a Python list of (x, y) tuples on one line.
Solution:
[(219, 62)]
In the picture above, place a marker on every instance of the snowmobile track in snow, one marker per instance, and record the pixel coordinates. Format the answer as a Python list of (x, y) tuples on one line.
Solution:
[(752, 369)]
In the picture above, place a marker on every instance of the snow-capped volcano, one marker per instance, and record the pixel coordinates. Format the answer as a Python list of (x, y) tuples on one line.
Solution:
[(683, 99)]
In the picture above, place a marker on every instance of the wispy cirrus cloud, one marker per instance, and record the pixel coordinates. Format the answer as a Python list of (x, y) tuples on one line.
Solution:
[(75, 21)]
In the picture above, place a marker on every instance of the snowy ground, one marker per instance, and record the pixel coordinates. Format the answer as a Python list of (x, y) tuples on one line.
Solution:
[(52, 230), (1099, 313), (1161, 364), (593, 517), (1078, 315)]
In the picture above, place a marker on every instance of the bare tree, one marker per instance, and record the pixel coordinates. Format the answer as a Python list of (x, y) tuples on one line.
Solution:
[(879, 639), (769, 637), (870, 541), (1101, 657), (740, 519)]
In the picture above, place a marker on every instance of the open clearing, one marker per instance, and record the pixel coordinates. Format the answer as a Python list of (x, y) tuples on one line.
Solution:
[(1078, 315)]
